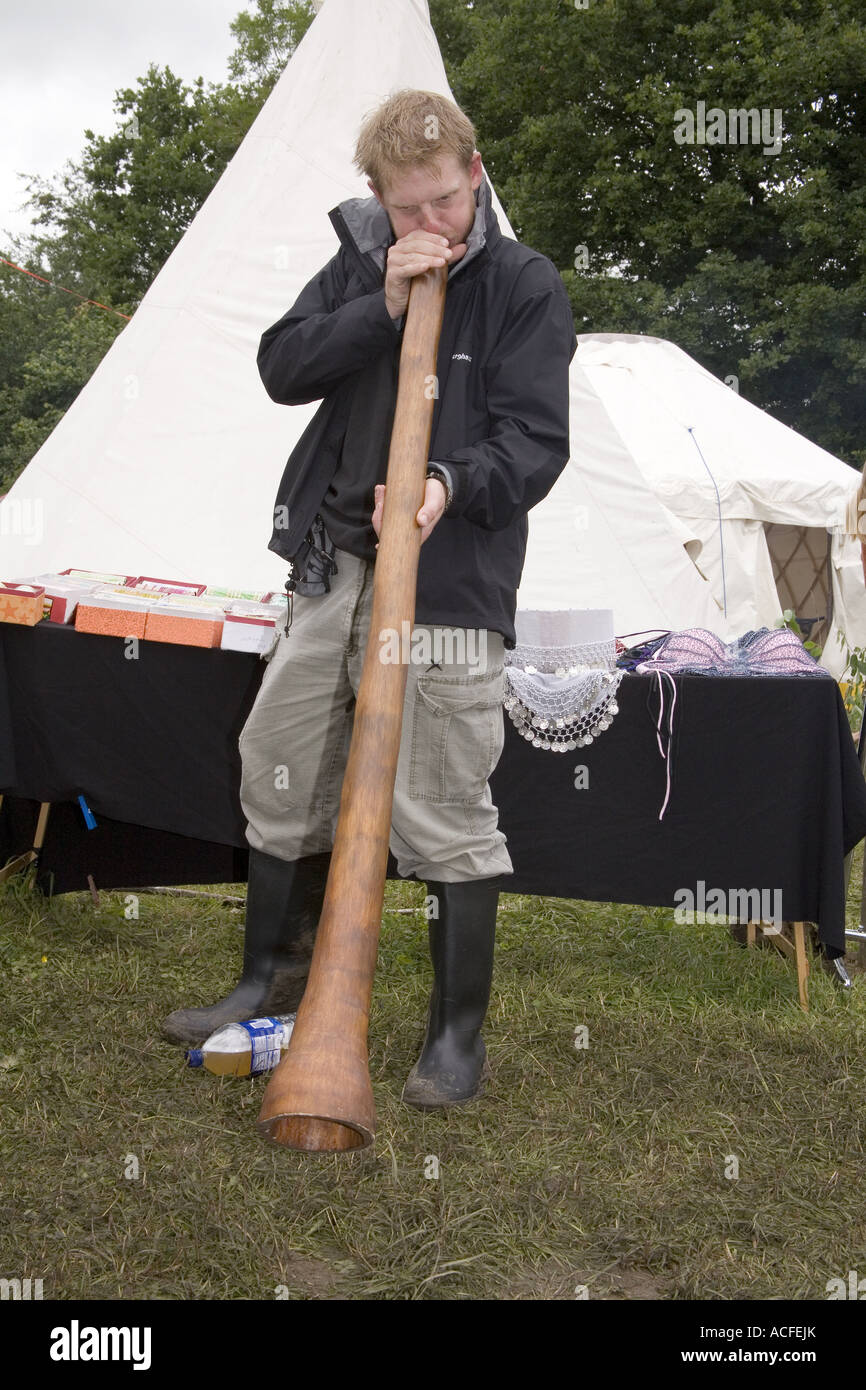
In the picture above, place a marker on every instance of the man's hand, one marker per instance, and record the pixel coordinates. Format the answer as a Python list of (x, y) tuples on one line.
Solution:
[(412, 255), (429, 513)]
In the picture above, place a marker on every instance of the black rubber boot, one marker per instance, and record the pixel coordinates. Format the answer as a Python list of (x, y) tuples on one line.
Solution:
[(284, 903), (453, 1067)]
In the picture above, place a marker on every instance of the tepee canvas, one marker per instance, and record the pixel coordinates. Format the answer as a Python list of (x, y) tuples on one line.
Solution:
[(760, 511), (167, 462)]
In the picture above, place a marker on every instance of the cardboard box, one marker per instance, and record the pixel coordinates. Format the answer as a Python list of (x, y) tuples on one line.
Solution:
[(249, 631), (112, 613), (62, 595), (21, 603), (252, 627), (184, 624)]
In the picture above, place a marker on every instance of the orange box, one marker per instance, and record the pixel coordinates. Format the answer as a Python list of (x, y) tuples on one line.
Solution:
[(189, 627), (111, 614), (21, 603)]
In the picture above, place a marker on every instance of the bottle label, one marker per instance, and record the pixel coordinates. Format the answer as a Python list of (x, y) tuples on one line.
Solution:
[(266, 1034)]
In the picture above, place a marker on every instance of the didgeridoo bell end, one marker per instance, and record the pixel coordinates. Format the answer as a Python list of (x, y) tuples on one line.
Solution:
[(317, 1104), (319, 1099), (315, 1133)]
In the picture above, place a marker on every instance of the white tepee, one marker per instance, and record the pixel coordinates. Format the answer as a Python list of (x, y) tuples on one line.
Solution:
[(167, 462)]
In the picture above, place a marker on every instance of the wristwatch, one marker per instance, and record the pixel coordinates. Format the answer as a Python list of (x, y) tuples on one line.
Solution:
[(436, 470)]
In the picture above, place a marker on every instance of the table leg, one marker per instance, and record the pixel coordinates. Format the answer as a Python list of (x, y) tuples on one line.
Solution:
[(795, 950), (21, 861), (802, 964)]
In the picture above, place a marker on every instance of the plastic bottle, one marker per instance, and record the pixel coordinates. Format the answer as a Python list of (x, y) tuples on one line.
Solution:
[(243, 1049)]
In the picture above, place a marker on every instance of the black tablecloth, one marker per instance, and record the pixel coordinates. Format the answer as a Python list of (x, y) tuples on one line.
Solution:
[(766, 789)]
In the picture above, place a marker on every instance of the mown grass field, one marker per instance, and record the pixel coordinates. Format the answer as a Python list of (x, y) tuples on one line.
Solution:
[(603, 1166)]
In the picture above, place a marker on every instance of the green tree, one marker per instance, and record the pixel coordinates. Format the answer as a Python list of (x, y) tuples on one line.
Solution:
[(46, 382), (754, 263), (266, 41), (114, 217)]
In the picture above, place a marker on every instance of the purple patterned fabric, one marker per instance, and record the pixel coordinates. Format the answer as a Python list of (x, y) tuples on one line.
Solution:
[(767, 652)]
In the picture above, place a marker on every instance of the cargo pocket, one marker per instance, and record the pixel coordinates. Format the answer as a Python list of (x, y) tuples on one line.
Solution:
[(458, 733)]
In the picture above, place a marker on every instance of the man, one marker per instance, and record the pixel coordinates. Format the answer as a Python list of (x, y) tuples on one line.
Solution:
[(499, 440)]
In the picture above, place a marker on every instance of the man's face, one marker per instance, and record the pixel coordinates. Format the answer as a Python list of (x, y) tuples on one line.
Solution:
[(443, 204)]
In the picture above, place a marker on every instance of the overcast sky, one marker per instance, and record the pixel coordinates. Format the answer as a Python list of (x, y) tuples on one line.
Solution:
[(61, 62)]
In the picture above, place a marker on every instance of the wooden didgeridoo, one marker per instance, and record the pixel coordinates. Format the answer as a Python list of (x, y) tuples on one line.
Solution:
[(320, 1098)]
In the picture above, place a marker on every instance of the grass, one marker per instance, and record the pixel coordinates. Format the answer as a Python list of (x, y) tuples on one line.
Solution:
[(602, 1166)]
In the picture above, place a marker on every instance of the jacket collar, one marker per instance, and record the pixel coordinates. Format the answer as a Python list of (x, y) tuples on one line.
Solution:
[(362, 224)]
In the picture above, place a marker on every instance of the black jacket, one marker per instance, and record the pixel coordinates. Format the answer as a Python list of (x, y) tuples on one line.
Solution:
[(500, 422)]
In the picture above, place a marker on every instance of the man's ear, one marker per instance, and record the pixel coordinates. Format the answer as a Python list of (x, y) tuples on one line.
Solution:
[(476, 171), (375, 192)]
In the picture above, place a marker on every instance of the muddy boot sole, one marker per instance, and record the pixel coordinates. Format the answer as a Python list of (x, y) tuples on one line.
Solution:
[(441, 1091)]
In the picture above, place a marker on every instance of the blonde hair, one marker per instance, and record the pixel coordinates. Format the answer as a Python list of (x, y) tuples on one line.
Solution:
[(412, 128)]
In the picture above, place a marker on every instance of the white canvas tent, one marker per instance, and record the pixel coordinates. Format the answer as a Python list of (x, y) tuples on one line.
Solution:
[(760, 511), (167, 462)]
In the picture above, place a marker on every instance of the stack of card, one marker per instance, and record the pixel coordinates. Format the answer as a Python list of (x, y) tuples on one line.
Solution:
[(113, 612), (251, 627), (188, 619), (158, 610), (62, 595)]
